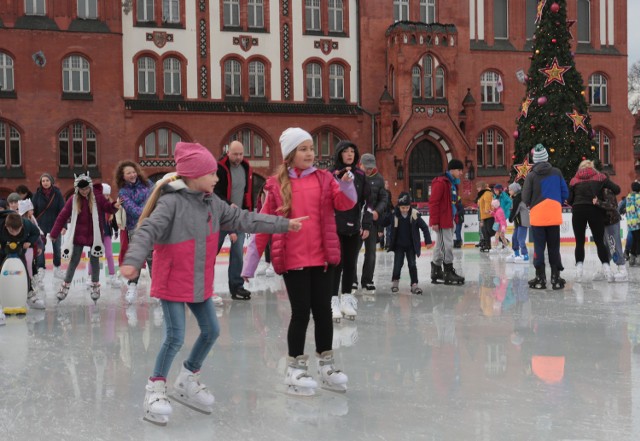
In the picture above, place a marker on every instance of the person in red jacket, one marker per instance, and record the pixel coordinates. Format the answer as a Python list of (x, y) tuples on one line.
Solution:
[(307, 259), (442, 211)]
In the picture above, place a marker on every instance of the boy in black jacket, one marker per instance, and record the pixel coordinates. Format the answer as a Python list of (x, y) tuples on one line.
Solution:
[(405, 240)]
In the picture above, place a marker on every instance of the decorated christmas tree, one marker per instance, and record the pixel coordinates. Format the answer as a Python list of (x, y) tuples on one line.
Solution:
[(554, 111)]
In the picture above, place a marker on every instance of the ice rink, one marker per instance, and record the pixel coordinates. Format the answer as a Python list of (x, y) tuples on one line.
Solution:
[(490, 360)]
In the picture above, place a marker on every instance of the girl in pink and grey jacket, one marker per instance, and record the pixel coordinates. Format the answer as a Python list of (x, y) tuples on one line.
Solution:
[(181, 222), (307, 259)]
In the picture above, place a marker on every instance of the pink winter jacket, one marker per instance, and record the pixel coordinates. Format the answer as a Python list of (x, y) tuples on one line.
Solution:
[(317, 194), (499, 218)]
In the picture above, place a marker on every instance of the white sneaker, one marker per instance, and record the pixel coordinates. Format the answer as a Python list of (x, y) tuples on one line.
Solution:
[(336, 314), (58, 273), (217, 300), (132, 293), (269, 271), (622, 275), (349, 306), (114, 281)]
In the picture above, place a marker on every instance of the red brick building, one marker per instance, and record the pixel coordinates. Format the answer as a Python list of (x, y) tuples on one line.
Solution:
[(88, 83)]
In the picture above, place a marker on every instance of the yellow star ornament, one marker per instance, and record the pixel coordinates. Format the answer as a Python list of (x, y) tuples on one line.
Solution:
[(522, 169), (524, 108), (578, 120), (554, 73)]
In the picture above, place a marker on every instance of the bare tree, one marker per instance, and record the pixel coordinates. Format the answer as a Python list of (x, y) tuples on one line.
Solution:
[(634, 87)]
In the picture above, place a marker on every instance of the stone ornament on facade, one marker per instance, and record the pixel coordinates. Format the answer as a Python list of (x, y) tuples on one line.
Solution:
[(325, 45), (39, 59), (160, 38), (429, 111), (246, 42)]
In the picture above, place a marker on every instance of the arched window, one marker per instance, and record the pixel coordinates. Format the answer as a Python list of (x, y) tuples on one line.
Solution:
[(597, 90), (439, 82), (254, 145), (75, 75), (146, 75), (584, 21), (88, 9), (172, 76), (324, 143), (427, 69), (489, 93), (232, 78), (10, 146), (428, 11), (78, 146), (256, 79), (603, 144), (314, 81), (490, 149), (416, 82), (336, 82), (160, 143), (6, 73)]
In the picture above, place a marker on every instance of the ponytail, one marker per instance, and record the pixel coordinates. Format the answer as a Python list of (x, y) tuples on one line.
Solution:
[(158, 189)]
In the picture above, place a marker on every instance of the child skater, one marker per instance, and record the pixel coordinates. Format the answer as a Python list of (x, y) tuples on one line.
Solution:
[(520, 218), (25, 209), (87, 210), (181, 222), (405, 240), (500, 225), (633, 221), (307, 261)]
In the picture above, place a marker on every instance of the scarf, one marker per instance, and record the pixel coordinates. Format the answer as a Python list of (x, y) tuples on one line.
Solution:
[(97, 248), (47, 191)]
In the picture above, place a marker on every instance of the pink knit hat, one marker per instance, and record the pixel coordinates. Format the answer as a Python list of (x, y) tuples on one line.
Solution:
[(194, 160)]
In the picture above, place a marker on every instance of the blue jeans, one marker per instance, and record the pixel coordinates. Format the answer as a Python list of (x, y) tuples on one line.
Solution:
[(236, 251), (40, 260), (458, 232), (174, 329), (519, 241)]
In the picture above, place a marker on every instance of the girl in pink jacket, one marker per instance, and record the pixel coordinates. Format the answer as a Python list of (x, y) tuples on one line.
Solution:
[(499, 225), (306, 259)]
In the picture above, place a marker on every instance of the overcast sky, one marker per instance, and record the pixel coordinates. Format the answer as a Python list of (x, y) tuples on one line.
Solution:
[(633, 13)]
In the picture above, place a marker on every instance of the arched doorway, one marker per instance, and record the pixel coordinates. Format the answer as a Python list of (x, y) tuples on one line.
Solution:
[(425, 163)]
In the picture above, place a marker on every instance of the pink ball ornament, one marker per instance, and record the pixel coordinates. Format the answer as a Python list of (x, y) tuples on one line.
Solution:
[(516, 134), (554, 41), (542, 100), (555, 8)]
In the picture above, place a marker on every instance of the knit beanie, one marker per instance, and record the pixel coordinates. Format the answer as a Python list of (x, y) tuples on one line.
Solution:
[(24, 206), (404, 199), (13, 197), (292, 138), (368, 161), (515, 187), (47, 175), (455, 164), (540, 154), (193, 160)]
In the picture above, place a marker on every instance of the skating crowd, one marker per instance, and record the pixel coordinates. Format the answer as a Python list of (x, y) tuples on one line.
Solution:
[(311, 225)]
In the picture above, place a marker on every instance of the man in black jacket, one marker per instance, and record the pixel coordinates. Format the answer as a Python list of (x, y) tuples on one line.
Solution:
[(235, 186), (377, 205)]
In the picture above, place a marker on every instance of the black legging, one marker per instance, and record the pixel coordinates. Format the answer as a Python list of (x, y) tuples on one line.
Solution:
[(349, 250), (309, 291), (594, 216)]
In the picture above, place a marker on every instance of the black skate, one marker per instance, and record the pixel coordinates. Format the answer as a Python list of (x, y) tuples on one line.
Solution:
[(436, 273), (557, 282), (241, 294), (540, 281), (450, 275)]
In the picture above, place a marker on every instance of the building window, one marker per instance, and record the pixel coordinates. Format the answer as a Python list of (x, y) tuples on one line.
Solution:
[(489, 93), (416, 82), (171, 11), (256, 14), (428, 11), (427, 69), (312, 15), (254, 145), (400, 10), (336, 82), (88, 9), (490, 149), (159, 144), (144, 11), (146, 76), (439, 82), (172, 76), (603, 144), (584, 21), (530, 17), (6, 73), (314, 80), (500, 19), (10, 149), (75, 75), (231, 12), (324, 143), (78, 146), (35, 7), (336, 13), (597, 90), (232, 78), (256, 79)]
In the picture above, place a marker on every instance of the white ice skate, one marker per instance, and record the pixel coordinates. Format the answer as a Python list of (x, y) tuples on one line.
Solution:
[(132, 293), (189, 391), (63, 291), (298, 381), (33, 301), (157, 407), (114, 281), (217, 300), (332, 379), (349, 306), (336, 314)]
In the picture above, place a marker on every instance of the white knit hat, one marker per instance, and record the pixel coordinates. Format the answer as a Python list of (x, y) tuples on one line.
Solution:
[(24, 206), (540, 154), (292, 138)]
